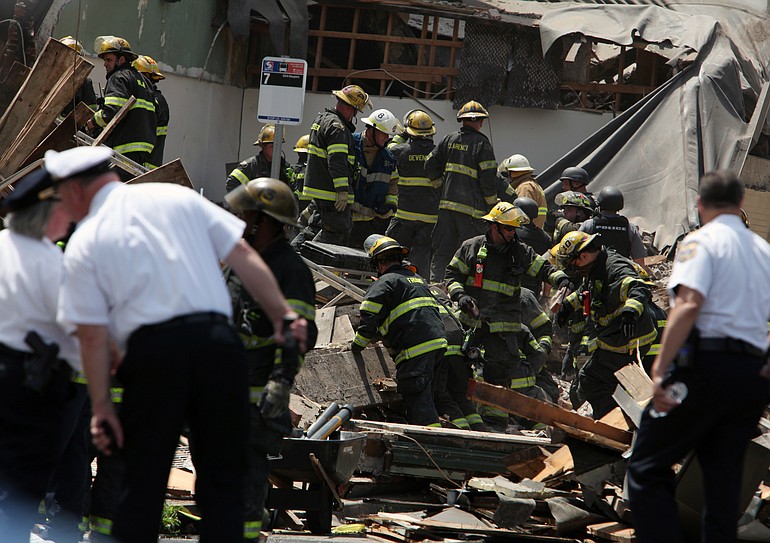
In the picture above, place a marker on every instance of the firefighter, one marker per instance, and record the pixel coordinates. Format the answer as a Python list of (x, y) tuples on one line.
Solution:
[(484, 278), (85, 92), (376, 186), (464, 162), (400, 309), (403, 136), (330, 174), (519, 178), (614, 229), (267, 205), (572, 179), (299, 171), (574, 208), (418, 196), (149, 68), (540, 326), (534, 236), (618, 310), (135, 136), (260, 165)]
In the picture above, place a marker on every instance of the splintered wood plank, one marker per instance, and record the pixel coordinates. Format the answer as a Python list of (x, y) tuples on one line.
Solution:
[(63, 136), (636, 382), (518, 404), (324, 320), (614, 531), (616, 419), (559, 462), (343, 330), (590, 437), (171, 172), (45, 92), (115, 121), (12, 83)]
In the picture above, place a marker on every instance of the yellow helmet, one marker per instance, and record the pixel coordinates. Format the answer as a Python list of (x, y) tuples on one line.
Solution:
[(104, 45), (506, 213), (472, 110), (147, 65), (73, 44), (266, 195), (418, 123), (267, 135), (302, 143), (570, 246), (353, 95), (377, 244)]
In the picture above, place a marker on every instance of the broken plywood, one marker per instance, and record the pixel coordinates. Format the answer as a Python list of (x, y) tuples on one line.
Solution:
[(613, 531), (556, 464), (636, 382), (171, 172), (62, 137), (343, 332)]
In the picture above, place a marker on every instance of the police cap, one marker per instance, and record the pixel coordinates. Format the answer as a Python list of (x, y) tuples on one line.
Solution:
[(33, 188), (77, 162)]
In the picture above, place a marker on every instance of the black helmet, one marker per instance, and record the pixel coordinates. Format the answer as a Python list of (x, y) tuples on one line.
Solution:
[(610, 199), (578, 175), (528, 206)]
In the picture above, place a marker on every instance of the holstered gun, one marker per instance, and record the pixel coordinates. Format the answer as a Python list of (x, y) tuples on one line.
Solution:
[(44, 372)]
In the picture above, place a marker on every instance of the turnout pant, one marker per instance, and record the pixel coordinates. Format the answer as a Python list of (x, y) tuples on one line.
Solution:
[(415, 235), (596, 380), (190, 368), (451, 393), (716, 420), (414, 378), (452, 228), (501, 353), (332, 226)]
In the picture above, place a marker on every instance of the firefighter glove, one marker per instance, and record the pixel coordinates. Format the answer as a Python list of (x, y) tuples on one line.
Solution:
[(563, 315), (564, 282), (275, 399), (385, 212), (467, 304), (628, 324), (437, 182), (341, 203), (361, 210)]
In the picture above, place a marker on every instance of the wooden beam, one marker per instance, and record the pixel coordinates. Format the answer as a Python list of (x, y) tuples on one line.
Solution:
[(171, 172), (380, 38), (405, 75), (386, 52), (63, 136), (11, 84), (114, 122), (539, 411), (320, 43), (352, 48)]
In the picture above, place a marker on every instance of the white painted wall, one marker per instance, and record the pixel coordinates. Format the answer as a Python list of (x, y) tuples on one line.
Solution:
[(213, 124)]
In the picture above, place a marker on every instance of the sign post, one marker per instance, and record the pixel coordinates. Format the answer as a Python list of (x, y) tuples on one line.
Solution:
[(281, 99)]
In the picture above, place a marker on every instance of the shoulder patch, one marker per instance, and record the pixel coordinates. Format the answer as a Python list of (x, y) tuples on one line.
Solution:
[(687, 251)]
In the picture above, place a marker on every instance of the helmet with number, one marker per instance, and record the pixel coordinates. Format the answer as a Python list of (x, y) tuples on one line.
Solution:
[(266, 195), (610, 199), (384, 121), (506, 213), (377, 245), (73, 44), (574, 198), (147, 65), (472, 110), (528, 206), (302, 143), (353, 95), (418, 123), (267, 135), (571, 246), (578, 175), (104, 45), (517, 163)]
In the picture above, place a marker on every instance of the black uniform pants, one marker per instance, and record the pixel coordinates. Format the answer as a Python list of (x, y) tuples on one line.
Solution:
[(334, 226), (415, 235), (414, 378), (716, 420), (30, 434), (449, 233), (596, 380), (501, 354), (184, 370)]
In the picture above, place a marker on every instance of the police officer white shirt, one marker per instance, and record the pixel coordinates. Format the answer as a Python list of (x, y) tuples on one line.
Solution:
[(30, 273), (730, 266), (145, 254)]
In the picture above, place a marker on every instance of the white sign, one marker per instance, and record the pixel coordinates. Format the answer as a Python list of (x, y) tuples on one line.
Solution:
[(282, 90)]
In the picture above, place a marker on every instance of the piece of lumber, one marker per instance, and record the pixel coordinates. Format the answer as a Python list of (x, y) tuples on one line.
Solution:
[(614, 531), (515, 403), (11, 84), (341, 284), (559, 462), (616, 419), (590, 437), (62, 137), (343, 330), (636, 382), (171, 172), (114, 122), (629, 406), (46, 91), (324, 320)]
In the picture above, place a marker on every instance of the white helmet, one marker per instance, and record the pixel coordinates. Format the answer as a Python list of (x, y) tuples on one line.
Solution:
[(517, 163), (384, 121)]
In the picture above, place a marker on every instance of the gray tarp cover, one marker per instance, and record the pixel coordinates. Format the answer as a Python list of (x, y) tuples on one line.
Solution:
[(700, 120)]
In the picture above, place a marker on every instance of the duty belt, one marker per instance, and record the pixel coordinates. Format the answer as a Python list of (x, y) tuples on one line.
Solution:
[(727, 345), (209, 317)]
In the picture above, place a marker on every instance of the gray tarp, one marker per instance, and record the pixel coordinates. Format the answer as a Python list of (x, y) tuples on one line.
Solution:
[(698, 121)]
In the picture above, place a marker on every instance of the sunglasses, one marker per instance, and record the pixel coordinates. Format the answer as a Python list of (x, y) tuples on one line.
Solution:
[(507, 228)]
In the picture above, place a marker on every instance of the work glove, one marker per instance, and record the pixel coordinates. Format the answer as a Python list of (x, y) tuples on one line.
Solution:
[(385, 212), (563, 315), (355, 348), (362, 210), (568, 367), (628, 324), (565, 282), (341, 203), (467, 305), (275, 399), (436, 183)]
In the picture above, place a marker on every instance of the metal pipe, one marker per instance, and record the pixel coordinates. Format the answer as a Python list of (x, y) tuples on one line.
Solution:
[(343, 415), (328, 413)]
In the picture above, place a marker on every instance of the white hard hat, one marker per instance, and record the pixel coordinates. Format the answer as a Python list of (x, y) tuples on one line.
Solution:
[(384, 121)]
